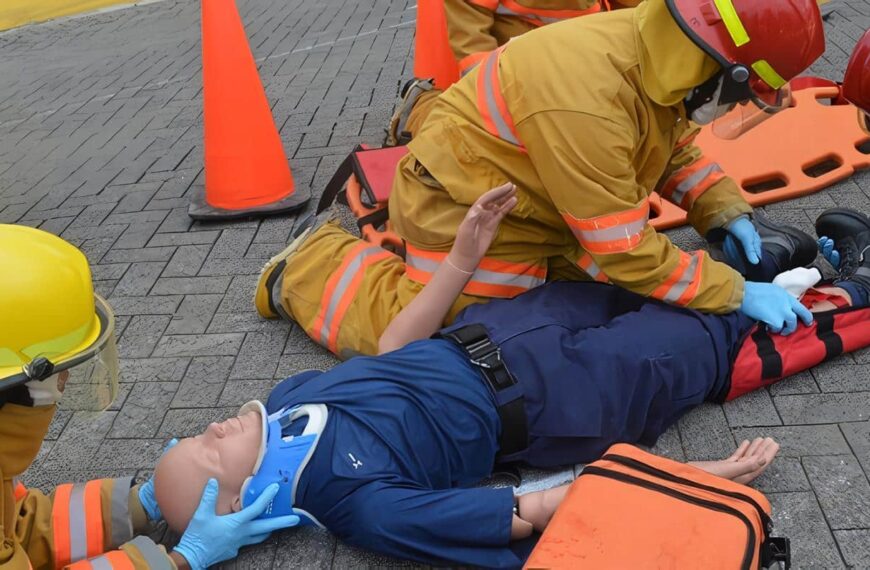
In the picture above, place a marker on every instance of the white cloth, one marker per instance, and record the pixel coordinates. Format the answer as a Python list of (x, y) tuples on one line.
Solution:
[(797, 281), (44, 392)]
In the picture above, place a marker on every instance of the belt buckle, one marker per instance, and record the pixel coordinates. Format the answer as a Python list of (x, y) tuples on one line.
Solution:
[(484, 353)]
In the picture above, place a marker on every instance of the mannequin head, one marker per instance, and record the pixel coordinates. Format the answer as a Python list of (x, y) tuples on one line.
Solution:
[(226, 451)]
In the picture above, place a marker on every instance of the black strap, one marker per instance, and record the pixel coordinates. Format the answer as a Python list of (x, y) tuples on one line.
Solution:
[(771, 360), (776, 550), (486, 356), (825, 333), (376, 219), (337, 182)]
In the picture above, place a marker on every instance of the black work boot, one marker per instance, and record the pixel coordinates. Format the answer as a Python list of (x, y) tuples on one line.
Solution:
[(850, 231), (782, 247)]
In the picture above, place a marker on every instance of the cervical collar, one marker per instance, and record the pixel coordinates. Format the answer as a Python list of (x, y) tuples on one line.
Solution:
[(283, 459)]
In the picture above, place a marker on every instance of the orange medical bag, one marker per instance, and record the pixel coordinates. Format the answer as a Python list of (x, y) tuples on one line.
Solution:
[(632, 509)]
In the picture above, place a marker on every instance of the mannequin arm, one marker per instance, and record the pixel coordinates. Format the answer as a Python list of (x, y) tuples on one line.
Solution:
[(425, 314)]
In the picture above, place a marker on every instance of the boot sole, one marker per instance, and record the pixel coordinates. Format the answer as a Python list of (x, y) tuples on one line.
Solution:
[(262, 294)]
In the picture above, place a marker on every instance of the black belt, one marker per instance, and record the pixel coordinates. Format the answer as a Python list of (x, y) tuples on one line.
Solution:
[(486, 356)]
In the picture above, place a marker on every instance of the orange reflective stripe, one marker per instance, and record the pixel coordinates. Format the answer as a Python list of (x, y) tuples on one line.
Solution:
[(115, 560), (610, 233), (492, 278), (587, 264), (93, 508), (60, 524), (491, 104), (688, 183), (514, 8), (340, 291), (682, 284), (20, 491), (82, 565), (468, 62)]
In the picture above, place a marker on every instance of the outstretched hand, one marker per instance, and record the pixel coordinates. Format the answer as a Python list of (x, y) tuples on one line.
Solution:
[(478, 229)]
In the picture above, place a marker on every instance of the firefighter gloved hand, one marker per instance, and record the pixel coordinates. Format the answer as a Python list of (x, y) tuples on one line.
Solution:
[(826, 248), (212, 538), (772, 305), (146, 492), (744, 232)]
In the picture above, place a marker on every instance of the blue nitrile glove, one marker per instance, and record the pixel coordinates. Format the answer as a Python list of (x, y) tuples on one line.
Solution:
[(146, 492), (743, 231), (826, 248), (210, 538), (774, 306)]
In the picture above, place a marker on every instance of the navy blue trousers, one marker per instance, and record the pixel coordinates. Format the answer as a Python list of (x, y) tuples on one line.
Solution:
[(597, 364)]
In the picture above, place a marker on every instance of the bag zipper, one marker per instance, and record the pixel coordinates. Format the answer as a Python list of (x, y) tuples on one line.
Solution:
[(748, 554), (766, 522)]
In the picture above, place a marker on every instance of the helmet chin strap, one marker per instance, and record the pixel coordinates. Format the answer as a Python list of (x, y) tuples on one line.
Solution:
[(704, 104)]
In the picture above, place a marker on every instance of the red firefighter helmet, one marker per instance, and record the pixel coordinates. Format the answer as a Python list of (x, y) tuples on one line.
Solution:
[(856, 84), (761, 44)]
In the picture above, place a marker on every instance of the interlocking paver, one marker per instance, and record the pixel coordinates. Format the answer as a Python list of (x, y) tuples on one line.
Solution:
[(100, 142)]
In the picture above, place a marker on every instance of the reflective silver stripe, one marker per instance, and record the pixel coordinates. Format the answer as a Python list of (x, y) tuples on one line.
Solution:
[(340, 289), (622, 231), (686, 185), (78, 528), (122, 524), (480, 275), (678, 288), (592, 268), (491, 66), (153, 555), (101, 563)]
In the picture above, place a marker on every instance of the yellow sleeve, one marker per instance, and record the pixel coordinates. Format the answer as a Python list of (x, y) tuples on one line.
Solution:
[(468, 28), (699, 186), (88, 525), (585, 164)]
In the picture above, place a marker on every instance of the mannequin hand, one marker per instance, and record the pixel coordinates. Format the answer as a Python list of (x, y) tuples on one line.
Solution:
[(743, 230), (211, 538), (773, 305), (146, 492), (826, 248), (477, 230)]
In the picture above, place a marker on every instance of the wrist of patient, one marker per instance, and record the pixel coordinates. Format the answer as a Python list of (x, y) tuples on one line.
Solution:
[(460, 265), (179, 560)]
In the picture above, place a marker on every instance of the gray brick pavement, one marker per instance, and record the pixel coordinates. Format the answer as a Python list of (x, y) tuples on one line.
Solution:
[(100, 142)]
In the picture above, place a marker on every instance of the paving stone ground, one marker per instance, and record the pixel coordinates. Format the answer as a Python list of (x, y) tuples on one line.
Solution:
[(100, 142)]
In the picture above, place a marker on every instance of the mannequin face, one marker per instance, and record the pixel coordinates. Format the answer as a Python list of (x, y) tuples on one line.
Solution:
[(225, 451)]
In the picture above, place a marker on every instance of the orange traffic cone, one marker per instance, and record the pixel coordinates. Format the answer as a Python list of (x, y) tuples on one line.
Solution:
[(246, 171), (432, 54)]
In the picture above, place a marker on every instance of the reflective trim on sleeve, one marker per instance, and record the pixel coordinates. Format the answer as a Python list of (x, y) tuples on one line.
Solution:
[(154, 556), (491, 104), (687, 184), (340, 291), (469, 62), (611, 233), (492, 278), (587, 264), (77, 522), (19, 491), (116, 560), (682, 284), (122, 523), (60, 524)]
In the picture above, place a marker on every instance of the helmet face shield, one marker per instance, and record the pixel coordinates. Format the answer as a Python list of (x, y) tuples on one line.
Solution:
[(751, 113), (88, 379)]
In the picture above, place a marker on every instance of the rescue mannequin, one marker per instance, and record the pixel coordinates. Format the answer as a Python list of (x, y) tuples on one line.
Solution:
[(57, 344), (588, 117), (474, 28), (384, 449)]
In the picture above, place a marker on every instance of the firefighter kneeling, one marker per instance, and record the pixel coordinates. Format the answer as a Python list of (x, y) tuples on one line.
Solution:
[(57, 343)]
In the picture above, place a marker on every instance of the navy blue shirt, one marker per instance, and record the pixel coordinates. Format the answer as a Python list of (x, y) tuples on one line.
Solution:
[(408, 433)]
